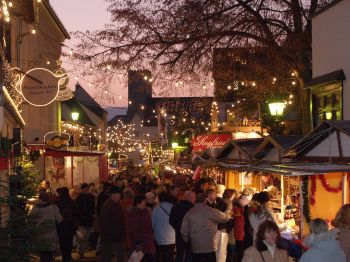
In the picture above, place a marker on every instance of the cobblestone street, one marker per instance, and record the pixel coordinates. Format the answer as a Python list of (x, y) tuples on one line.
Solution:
[(90, 257)]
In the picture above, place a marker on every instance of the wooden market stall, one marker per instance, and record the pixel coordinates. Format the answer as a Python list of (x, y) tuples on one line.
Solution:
[(71, 167)]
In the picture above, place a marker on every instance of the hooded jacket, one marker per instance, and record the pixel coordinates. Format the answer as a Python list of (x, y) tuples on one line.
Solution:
[(323, 248)]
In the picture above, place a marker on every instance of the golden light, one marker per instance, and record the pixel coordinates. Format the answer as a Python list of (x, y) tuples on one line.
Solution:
[(276, 108)]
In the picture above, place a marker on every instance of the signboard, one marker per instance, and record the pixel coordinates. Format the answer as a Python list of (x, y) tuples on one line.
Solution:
[(212, 141), (40, 87)]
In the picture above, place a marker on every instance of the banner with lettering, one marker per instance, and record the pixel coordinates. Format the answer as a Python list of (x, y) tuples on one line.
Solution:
[(212, 141)]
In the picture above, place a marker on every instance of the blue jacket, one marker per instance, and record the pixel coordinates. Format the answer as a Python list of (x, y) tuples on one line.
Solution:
[(164, 233), (324, 249)]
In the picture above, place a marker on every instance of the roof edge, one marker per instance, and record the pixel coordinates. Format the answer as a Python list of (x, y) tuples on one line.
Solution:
[(325, 8), (56, 19), (337, 75)]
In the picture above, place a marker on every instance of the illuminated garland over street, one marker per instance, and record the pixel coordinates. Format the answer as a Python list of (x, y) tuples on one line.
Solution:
[(121, 139)]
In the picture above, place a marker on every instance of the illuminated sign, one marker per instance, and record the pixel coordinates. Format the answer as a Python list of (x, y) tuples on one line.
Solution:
[(40, 86), (203, 142), (56, 140)]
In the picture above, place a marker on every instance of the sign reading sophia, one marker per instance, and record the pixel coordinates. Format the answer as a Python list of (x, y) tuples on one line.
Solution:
[(40, 86)]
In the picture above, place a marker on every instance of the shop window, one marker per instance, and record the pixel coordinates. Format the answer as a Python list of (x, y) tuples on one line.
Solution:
[(326, 103)]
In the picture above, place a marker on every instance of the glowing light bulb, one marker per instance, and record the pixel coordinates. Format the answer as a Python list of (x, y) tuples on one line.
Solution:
[(33, 31)]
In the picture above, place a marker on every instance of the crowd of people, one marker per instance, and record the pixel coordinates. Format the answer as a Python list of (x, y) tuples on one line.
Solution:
[(146, 219)]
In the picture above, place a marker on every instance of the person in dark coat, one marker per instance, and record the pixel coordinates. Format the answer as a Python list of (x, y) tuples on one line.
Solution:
[(101, 198), (113, 231), (85, 204), (67, 228), (139, 229), (177, 214)]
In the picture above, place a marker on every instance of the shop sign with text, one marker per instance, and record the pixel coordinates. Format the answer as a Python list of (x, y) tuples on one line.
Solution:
[(203, 142)]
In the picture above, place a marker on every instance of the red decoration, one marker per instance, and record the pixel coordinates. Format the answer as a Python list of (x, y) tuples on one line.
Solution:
[(313, 190), (326, 185)]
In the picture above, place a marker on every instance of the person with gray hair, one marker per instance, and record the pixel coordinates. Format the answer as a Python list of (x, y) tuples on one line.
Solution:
[(323, 243), (199, 227)]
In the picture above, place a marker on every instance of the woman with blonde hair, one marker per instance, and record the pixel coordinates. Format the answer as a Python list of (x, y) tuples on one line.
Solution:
[(342, 222)]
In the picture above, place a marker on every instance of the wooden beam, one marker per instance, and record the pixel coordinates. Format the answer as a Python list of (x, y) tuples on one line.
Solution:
[(340, 147)]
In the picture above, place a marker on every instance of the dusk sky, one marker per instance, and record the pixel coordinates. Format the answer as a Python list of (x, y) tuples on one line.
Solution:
[(94, 16)]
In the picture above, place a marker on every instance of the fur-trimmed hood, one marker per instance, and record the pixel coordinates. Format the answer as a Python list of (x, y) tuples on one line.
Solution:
[(323, 248), (313, 239)]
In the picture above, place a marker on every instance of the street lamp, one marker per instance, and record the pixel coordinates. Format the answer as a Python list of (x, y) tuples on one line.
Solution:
[(75, 116), (174, 145), (276, 108)]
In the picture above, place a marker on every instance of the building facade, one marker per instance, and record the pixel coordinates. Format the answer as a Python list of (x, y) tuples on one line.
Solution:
[(331, 63)]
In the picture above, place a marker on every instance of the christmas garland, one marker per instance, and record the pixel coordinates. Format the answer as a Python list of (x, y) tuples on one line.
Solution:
[(326, 185), (313, 190), (305, 193)]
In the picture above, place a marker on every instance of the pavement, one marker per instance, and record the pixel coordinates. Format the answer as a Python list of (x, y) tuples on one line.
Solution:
[(89, 257)]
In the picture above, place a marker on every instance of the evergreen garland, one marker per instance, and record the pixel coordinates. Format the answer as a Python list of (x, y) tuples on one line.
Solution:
[(305, 193)]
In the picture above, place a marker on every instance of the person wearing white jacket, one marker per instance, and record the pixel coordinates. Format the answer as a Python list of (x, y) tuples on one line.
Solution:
[(164, 233)]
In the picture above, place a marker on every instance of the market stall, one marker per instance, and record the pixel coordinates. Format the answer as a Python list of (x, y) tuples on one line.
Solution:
[(70, 168)]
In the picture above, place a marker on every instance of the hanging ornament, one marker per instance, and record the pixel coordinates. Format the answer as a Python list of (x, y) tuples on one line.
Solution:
[(326, 185)]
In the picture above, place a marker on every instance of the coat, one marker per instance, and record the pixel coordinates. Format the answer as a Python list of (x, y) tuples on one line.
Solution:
[(344, 240), (253, 254), (323, 248), (112, 222), (67, 209), (47, 216), (85, 204), (177, 215), (199, 227), (238, 217), (164, 233), (139, 230)]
